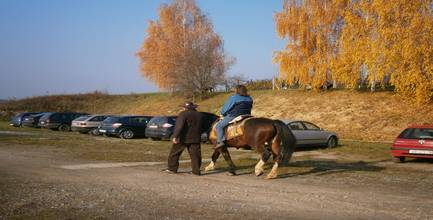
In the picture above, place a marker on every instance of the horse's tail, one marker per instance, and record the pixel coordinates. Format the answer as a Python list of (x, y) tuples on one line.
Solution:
[(287, 141)]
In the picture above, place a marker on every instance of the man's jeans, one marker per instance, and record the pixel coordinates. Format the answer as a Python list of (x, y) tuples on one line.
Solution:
[(220, 128)]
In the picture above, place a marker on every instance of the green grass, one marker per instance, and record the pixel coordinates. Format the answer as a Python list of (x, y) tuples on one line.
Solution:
[(370, 150), (115, 149), (89, 147)]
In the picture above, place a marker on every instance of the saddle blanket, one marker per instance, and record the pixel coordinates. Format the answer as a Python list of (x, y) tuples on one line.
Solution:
[(236, 129)]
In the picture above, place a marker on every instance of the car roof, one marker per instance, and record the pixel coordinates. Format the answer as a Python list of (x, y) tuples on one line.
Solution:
[(96, 115), (132, 116)]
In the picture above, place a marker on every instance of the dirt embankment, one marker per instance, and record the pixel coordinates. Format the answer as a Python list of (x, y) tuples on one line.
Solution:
[(353, 115)]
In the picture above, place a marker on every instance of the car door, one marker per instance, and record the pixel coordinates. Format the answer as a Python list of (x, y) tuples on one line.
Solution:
[(94, 121), (133, 124), (141, 124), (298, 130), (315, 136)]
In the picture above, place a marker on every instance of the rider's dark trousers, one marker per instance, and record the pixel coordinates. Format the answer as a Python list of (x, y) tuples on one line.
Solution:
[(194, 151)]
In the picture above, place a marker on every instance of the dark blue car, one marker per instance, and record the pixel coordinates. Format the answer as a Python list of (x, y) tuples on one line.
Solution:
[(17, 120), (126, 127), (161, 127), (32, 120)]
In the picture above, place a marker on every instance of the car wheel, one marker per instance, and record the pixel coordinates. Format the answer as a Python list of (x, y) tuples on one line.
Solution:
[(398, 159), (94, 132), (64, 127), (127, 134), (332, 142)]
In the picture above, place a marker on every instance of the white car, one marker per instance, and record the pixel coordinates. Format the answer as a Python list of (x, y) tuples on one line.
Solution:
[(309, 134), (88, 124)]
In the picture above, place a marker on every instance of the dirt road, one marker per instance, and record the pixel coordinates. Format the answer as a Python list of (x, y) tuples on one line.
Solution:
[(33, 184)]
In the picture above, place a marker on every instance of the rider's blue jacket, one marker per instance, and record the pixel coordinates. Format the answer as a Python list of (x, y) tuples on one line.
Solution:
[(237, 105)]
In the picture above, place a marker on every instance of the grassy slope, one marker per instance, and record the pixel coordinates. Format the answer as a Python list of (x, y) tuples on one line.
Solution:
[(354, 115)]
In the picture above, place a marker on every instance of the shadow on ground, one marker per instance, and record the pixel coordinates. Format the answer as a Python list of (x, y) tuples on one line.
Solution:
[(307, 167)]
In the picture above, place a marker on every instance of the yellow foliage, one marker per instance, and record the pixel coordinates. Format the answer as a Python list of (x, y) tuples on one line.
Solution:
[(181, 52), (311, 30), (349, 39)]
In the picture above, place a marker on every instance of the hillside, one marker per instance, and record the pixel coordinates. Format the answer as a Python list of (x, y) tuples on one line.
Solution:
[(354, 115)]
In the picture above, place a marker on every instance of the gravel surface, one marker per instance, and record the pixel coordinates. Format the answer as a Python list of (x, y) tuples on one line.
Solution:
[(33, 185)]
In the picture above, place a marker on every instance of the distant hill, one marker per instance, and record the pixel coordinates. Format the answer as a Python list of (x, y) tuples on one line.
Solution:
[(353, 115)]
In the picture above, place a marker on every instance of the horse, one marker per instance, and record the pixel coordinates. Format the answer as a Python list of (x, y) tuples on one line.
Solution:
[(266, 136)]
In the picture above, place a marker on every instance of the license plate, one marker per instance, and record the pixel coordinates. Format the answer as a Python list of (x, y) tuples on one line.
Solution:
[(42, 122), (153, 126), (421, 152), (102, 131)]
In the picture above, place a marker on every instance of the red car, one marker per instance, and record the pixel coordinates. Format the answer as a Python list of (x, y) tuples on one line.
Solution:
[(415, 141)]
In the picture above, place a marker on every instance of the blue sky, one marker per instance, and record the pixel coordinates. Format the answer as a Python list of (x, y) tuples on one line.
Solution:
[(63, 46)]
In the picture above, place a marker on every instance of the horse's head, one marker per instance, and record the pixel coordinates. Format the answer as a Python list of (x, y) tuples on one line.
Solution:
[(209, 121)]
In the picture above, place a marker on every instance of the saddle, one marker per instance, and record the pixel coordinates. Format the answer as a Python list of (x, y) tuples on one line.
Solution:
[(239, 118), (235, 127)]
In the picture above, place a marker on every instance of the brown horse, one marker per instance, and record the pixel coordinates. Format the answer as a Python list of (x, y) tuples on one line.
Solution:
[(267, 137)]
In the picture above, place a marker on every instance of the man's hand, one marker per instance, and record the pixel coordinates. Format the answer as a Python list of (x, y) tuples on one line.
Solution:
[(175, 141)]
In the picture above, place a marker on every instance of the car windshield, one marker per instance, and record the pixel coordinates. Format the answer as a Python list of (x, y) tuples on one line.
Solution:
[(111, 120), (18, 115), (46, 116), (39, 115), (82, 118), (311, 126), (417, 133), (158, 120)]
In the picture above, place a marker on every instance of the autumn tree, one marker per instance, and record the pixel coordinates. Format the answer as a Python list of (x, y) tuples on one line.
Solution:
[(181, 52), (351, 41), (388, 39), (311, 28)]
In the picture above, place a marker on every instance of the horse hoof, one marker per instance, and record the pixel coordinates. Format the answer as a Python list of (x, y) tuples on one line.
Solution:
[(232, 173), (210, 167), (271, 176), (258, 172)]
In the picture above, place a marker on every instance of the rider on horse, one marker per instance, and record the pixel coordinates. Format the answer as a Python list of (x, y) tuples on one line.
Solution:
[(239, 104)]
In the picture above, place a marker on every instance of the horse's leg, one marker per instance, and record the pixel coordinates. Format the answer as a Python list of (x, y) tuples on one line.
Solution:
[(259, 168), (214, 158), (277, 157), (224, 151)]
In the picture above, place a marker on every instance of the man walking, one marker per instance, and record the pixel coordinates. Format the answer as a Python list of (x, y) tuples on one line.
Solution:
[(187, 134)]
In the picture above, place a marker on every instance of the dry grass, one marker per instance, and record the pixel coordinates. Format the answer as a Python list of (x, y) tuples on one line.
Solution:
[(355, 115)]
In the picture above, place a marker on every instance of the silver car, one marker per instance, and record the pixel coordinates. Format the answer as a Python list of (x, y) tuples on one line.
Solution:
[(88, 124), (309, 134)]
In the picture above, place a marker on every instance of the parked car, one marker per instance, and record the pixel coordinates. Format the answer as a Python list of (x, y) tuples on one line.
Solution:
[(32, 120), (126, 127), (415, 142), (59, 120), (17, 120), (309, 134), (88, 123), (161, 127)]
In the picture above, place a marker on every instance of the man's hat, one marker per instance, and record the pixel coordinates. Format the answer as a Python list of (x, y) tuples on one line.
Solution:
[(189, 105)]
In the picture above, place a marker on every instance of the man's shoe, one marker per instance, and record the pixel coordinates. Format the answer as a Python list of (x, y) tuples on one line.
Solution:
[(197, 174), (168, 171), (219, 145)]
